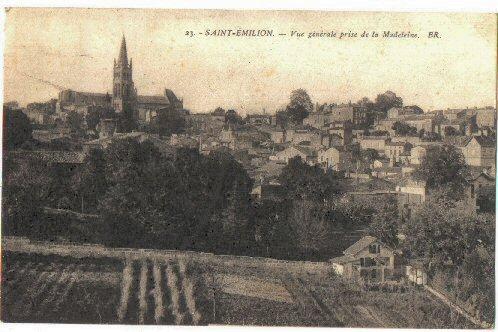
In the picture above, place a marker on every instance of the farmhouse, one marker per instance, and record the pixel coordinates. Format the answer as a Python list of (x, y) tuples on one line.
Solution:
[(368, 259)]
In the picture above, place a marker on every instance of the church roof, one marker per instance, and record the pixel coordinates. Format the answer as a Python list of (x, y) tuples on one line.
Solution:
[(153, 100), (123, 56), (170, 95)]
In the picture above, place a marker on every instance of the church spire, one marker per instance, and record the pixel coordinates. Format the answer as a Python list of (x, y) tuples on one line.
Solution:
[(123, 56)]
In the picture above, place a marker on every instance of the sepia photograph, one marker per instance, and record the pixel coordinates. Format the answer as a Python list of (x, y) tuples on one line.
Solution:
[(249, 168)]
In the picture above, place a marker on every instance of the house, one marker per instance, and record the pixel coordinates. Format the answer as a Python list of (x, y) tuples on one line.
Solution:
[(300, 134), (333, 158), (343, 130), (417, 154), (386, 125), (380, 163), (387, 172), (400, 112), (394, 151), (277, 136), (411, 194), (368, 259), (482, 187), (486, 117), (102, 143), (356, 114), (307, 154), (480, 151), (416, 273), (316, 120), (373, 142), (267, 192), (425, 122), (258, 119)]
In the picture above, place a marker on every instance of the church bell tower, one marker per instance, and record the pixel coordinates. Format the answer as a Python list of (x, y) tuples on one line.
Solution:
[(124, 94)]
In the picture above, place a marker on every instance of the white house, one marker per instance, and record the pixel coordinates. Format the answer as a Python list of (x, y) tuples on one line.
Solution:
[(333, 158)]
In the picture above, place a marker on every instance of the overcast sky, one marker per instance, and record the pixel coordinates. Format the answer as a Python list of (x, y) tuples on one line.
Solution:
[(75, 48)]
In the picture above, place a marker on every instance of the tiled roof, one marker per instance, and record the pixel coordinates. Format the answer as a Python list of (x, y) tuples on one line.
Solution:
[(359, 245), (153, 100), (485, 141), (457, 140), (305, 150)]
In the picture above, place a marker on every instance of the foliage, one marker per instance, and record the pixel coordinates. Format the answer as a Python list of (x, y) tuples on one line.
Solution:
[(233, 118), (384, 226), (126, 121), (17, 128), (96, 113), (75, 122), (444, 166), (442, 231), (189, 201), (370, 155), (167, 122), (403, 129), (450, 131), (302, 181), (457, 246), (89, 181), (308, 226), (218, 111), (48, 106), (299, 107), (25, 190), (386, 101), (431, 137)]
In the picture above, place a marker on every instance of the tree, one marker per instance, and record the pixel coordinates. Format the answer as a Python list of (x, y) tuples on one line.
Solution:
[(75, 122), (369, 109), (386, 101), (96, 113), (231, 117), (404, 129), (301, 181), (450, 131), (309, 229), (17, 128), (432, 137), (188, 201), (370, 155), (90, 182), (235, 221), (384, 226), (168, 121), (444, 167), (126, 121), (26, 187), (218, 112), (299, 107), (457, 247)]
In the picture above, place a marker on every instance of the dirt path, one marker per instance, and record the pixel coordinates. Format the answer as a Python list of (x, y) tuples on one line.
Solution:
[(456, 308)]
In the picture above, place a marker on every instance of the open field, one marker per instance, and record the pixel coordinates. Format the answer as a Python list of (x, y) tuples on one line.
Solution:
[(78, 286)]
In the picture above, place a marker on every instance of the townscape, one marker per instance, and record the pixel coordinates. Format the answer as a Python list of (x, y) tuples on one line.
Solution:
[(126, 208)]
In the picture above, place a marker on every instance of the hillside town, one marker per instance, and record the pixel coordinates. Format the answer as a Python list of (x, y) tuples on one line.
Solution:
[(378, 189)]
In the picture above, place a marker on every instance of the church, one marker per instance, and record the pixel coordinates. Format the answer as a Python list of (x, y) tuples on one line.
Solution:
[(124, 95)]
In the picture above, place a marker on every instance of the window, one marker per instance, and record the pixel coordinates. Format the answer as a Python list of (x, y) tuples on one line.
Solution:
[(374, 248)]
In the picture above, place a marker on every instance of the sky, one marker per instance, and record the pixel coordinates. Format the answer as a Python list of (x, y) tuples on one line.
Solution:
[(75, 48)]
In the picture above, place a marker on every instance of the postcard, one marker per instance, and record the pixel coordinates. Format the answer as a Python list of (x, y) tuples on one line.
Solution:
[(254, 168)]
